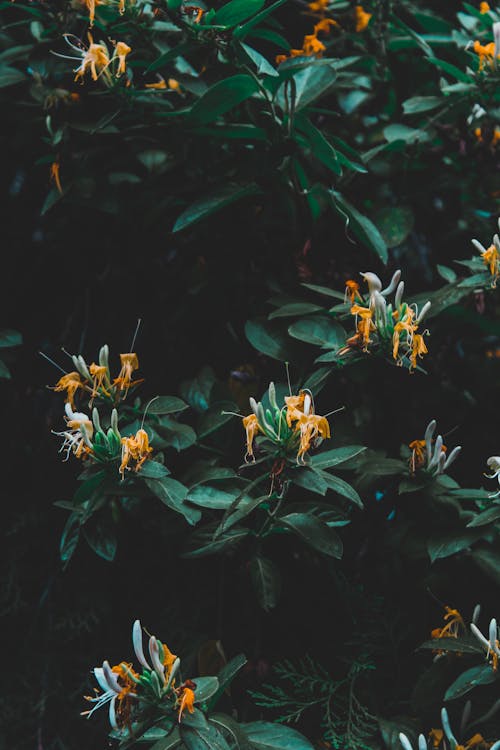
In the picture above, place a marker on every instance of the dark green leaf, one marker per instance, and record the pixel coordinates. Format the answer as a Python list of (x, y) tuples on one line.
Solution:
[(267, 339), (263, 66), (214, 201), (318, 330), (101, 535), (336, 456), (266, 736), (316, 533), (221, 97), (166, 405), (10, 338), (153, 470), (482, 674), (69, 538), (294, 308), (236, 11), (364, 229), (198, 734), (173, 494), (266, 580), (450, 544)]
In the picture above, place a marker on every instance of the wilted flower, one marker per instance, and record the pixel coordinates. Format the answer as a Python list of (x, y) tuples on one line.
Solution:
[(362, 18), (70, 383), (120, 53), (130, 363)]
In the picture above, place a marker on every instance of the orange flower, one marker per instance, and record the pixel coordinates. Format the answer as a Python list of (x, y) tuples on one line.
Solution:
[(486, 53), (351, 290), (491, 258), (120, 53), (99, 375), (186, 700), (294, 407), (252, 427), (311, 426), (436, 736), (484, 8), (418, 349), (70, 383), (135, 448), (362, 18), (453, 625), (417, 458), (318, 6), (95, 59), (54, 175), (129, 363), (365, 325)]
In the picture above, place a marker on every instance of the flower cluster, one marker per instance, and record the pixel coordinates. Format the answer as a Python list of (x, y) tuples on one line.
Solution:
[(444, 739), (311, 44), (491, 256), (84, 436), (292, 429), (489, 53), (490, 644), (395, 327), (430, 454), (129, 692), (95, 59)]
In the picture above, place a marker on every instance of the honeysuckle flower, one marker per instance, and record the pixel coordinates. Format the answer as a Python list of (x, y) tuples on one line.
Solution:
[(318, 6), (486, 54), (120, 53), (55, 176), (293, 427), (186, 699), (454, 625), (491, 644), (364, 326), (311, 44), (431, 454), (70, 383), (418, 349), (484, 8), (129, 363), (100, 378), (118, 684), (362, 18), (491, 257), (95, 59), (494, 464), (406, 744), (78, 435), (351, 291), (135, 448)]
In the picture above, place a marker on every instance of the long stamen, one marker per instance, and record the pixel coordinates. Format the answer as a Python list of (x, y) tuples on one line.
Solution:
[(45, 356), (139, 321)]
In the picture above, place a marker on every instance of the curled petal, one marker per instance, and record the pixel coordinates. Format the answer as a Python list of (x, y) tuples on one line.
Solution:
[(110, 677), (137, 642)]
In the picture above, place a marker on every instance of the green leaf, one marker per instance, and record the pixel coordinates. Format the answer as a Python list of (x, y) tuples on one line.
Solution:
[(176, 434), (266, 580), (482, 674), (468, 645), (364, 229), (395, 224), (452, 70), (198, 390), (487, 516), (320, 147), (310, 480), (242, 31), (214, 201), (227, 675), (451, 543), (236, 11), (379, 467), (419, 104), (212, 497), (448, 274), (69, 538), (263, 66), (87, 488), (202, 473), (266, 736), (101, 536), (319, 331), (336, 456), (397, 132), (202, 543), (488, 559), (170, 55), (166, 405), (10, 76), (213, 419), (221, 97), (312, 83), (231, 730), (341, 487), (315, 533), (169, 742), (4, 371), (294, 308), (198, 734), (243, 508), (325, 290), (173, 494), (206, 687), (266, 339), (153, 470), (9, 338)]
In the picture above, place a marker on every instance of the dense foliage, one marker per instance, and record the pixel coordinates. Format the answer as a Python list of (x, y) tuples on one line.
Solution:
[(285, 217)]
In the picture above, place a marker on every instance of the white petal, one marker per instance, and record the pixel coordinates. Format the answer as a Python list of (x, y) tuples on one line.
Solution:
[(111, 677), (137, 641), (405, 741), (153, 652)]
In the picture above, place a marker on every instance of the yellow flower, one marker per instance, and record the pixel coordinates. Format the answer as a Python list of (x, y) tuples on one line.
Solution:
[(95, 59), (364, 326), (252, 427), (418, 349), (454, 623), (129, 363), (491, 258), (408, 326), (362, 18), (484, 7), (186, 700), (486, 53), (294, 407), (70, 383), (310, 427), (120, 53), (135, 448)]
